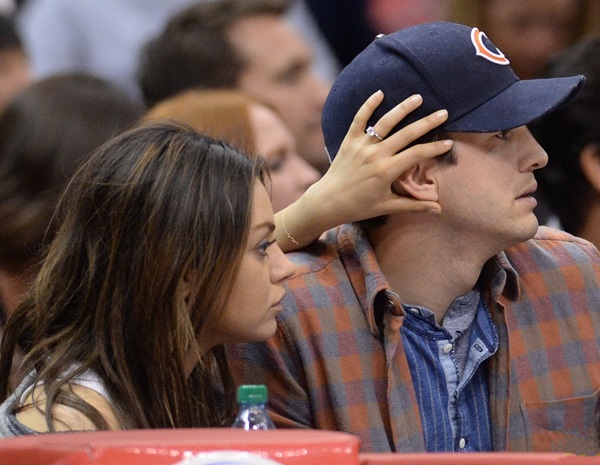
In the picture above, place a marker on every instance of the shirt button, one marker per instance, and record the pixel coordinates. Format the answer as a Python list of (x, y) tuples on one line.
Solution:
[(447, 348), (462, 443)]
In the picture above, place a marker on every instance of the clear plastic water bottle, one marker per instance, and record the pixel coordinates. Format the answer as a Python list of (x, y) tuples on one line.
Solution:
[(252, 415)]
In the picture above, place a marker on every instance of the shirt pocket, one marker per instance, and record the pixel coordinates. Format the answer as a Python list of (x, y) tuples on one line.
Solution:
[(566, 425)]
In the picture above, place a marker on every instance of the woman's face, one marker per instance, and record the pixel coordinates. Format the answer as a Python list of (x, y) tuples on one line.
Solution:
[(258, 288), (291, 175)]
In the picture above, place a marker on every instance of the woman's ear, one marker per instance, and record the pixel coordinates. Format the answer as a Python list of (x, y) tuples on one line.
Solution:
[(589, 160), (185, 286), (418, 182)]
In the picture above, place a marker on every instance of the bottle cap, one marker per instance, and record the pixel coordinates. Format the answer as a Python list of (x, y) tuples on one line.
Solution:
[(252, 394)]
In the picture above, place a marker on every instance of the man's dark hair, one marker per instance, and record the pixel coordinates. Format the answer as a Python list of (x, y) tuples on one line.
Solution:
[(193, 50)]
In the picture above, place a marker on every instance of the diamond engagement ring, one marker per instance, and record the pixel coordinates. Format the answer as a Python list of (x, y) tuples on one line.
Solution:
[(371, 132)]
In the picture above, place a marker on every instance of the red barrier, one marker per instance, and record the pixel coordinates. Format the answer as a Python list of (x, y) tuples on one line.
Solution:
[(288, 447), (167, 447), (472, 458)]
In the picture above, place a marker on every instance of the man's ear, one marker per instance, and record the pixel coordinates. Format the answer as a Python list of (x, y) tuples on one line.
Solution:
[(419, 182), (589, 160)]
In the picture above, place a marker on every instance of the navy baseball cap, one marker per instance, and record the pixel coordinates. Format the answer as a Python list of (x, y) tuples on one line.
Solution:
[(454, 67)]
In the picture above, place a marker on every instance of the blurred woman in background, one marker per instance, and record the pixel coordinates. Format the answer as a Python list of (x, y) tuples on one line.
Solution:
[(249, 125)]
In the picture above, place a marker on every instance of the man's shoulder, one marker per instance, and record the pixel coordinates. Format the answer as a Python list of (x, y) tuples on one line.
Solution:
[(545, 233), (559, 246), (318, 255)]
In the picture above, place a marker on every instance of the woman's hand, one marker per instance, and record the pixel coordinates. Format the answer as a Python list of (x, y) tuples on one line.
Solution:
[(358, 184)]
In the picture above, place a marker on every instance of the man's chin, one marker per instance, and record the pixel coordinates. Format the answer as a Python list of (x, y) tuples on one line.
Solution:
[(529, 230), (520, 233)]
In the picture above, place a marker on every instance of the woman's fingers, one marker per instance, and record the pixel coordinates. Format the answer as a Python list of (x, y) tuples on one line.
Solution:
[(416, 154), (413, 131), (388, 121), (396, 142), (359, 123)]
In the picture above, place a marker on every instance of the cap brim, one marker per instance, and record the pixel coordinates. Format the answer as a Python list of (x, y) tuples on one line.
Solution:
[(521, 103)]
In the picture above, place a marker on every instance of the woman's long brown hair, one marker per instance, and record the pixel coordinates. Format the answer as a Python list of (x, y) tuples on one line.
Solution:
[(149, 206)]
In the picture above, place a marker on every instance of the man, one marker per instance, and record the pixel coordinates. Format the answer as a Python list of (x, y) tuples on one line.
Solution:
[(243, 44), (467, 330)]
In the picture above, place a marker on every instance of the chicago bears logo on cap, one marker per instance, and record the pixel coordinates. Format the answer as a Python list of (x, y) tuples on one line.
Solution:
[(483, 51)]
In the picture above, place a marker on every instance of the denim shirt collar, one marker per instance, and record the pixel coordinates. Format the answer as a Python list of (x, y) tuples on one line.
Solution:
[(356, 252)]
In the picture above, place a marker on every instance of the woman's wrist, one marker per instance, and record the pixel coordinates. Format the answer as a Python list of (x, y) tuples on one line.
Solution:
[(302, 222)]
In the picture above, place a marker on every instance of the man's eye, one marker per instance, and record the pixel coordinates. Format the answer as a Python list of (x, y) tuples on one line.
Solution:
[(503, 134)]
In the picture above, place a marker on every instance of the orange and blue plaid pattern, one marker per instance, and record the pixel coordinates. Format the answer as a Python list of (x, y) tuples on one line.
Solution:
[(337, 361)]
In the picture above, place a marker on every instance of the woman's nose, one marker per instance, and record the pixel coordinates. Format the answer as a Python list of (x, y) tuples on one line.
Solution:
[(281, 267)]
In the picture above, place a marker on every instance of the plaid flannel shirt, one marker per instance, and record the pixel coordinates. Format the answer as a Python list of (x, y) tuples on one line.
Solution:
[(336, 361)]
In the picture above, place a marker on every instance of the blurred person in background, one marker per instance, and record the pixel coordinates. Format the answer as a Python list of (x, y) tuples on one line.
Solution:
[(350, 25), (46, 132), (105, 38), (87, 36), (530, 32), (249, 125), (245, 45), (570, 184), (15, 72)]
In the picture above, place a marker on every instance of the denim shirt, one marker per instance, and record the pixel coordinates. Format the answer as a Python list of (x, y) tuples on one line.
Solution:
[(449, 377)]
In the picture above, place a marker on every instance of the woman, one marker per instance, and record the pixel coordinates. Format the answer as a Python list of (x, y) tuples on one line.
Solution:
[(123, 245), (166, 250), (247, 124)]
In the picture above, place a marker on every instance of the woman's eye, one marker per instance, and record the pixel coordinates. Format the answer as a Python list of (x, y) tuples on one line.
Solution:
[(264, 245)]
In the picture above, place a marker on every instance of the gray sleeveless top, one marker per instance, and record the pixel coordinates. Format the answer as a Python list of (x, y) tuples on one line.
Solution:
[(10, 425)]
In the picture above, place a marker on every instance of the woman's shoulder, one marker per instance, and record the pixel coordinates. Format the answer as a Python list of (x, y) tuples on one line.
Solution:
[(65, 418), (88, 387)]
